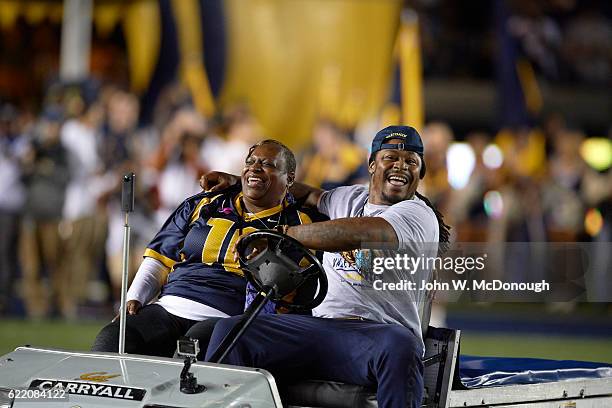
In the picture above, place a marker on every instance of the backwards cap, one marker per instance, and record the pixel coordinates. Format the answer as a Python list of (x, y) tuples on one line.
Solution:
[(411, 141)]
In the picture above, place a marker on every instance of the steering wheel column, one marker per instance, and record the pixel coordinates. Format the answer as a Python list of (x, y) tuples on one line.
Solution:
[(281, 266)]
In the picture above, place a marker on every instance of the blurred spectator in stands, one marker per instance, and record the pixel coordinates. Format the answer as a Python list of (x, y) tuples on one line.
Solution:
[(514, 206), (178, 161), (524, 151), (437, 137), (174, 97), (84, 229), (587, 47), (120, 142), (552, 124), (333, 160), (121, 122), (563, 198), (11, 199), (241, 130), (572, 187), (524, 166), (467, 209), (46, 175), (539, 36)]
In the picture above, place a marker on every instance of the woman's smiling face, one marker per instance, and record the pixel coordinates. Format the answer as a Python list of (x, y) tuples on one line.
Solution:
[(264, 178)]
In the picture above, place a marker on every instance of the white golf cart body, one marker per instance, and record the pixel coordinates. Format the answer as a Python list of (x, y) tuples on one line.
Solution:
[(110, 380)]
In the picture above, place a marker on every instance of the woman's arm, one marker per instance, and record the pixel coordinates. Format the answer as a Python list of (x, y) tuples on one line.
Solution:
[(146, 284)]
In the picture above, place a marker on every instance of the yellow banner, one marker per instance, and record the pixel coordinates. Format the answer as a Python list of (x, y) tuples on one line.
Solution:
[(293, 61), (192, 70), (141, 25), (411, 71), (9, 11)]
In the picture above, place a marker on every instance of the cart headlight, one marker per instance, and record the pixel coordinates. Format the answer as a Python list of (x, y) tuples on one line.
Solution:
[(6, 398)]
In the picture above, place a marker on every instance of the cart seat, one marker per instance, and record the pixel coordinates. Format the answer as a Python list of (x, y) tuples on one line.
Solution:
[(441, 350)]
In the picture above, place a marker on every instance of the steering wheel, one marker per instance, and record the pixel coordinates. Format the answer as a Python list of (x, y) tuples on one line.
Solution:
[(285, 265)]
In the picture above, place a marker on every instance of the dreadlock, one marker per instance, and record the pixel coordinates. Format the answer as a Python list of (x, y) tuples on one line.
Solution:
[(444, 230)]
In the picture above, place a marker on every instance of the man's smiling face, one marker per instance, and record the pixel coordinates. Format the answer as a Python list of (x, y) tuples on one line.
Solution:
[(394, 175)]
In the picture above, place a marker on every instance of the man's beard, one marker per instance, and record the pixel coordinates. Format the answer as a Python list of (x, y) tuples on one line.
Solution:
[(394, 199)]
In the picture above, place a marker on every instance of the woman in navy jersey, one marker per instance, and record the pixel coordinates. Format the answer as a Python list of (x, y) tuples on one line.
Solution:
[(190, 263)]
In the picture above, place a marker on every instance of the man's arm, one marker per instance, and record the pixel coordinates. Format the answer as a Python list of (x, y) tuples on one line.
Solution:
[(308, 195), (344, 234)]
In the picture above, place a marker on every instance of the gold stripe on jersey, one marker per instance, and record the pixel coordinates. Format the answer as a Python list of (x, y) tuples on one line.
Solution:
[(161, 258), (253, 216), (214, 240), (196, 213), (304, 218), (228, 263)]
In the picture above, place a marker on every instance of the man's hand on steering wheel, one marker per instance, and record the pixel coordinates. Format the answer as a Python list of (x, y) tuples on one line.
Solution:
[(217, 180)]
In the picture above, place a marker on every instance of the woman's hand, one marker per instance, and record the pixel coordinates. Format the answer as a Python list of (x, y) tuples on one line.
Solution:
[(217, 180), (255, 247), (133, 306)]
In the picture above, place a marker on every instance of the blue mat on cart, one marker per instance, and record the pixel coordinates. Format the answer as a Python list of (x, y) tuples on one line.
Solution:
[(478, 372)]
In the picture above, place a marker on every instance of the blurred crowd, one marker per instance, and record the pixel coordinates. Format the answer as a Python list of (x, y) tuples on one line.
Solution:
[(567, 41), (61, 225)]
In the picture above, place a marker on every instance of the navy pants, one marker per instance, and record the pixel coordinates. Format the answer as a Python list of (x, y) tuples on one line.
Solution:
[(383, 356)]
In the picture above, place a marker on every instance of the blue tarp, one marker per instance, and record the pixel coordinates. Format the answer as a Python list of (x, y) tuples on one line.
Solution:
[(477, 372)]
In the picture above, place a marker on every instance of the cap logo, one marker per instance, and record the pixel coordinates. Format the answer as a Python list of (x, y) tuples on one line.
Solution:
[(396, 134)]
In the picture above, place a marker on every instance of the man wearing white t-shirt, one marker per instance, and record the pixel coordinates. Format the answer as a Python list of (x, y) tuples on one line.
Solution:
[(359, 335)]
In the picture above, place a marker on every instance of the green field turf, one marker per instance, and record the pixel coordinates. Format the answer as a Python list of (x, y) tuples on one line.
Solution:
[(47, 333), (552, 347), (79, 336)]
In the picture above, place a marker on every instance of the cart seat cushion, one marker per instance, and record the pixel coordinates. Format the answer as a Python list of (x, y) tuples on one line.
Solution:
[(316, 393)]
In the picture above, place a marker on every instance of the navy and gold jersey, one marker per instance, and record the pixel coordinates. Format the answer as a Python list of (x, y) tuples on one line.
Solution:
[(195, 242)]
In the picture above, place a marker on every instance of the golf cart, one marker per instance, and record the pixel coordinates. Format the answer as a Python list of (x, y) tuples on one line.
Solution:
[(30, 375), (58, 378)]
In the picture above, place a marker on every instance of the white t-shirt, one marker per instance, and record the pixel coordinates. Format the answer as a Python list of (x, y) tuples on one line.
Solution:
[(352, 292)]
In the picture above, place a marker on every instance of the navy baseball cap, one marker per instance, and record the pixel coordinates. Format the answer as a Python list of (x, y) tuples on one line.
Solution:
[(411, 141)]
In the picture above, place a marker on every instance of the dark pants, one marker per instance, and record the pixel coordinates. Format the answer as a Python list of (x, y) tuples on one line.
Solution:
[(202, 331), (9, 232), (384, 356), (153, 332)]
